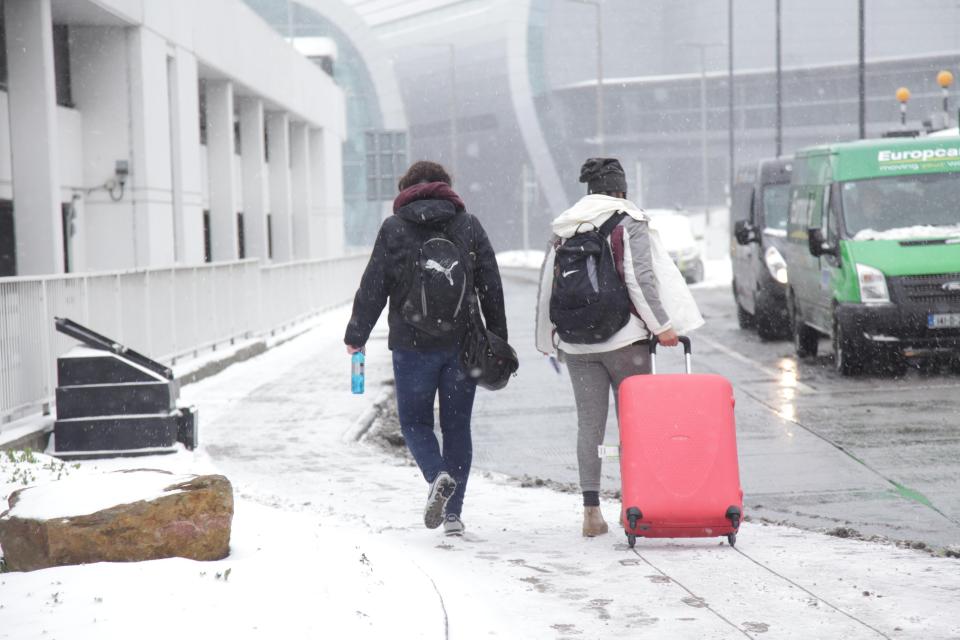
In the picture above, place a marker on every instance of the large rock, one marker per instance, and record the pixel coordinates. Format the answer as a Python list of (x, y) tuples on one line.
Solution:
[(124, 516)]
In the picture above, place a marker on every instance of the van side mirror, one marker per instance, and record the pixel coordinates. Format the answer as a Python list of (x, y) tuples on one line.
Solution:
[(744, 232), (818, 245)]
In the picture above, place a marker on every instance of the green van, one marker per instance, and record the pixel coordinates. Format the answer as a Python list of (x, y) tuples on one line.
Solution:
[(873, 251)]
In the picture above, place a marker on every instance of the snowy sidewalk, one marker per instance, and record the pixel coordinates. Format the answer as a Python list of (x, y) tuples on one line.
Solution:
[(328, 542)]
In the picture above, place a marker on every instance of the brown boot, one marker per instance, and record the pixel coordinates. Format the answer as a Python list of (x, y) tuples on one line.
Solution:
[(593, 522)]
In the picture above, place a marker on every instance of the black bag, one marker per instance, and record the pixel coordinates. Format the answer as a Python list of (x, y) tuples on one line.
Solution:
[(436, 300), (589, 302), (486, 357)]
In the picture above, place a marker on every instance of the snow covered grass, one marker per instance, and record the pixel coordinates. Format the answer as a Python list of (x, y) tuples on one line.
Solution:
[(289, 575), (19, 469)]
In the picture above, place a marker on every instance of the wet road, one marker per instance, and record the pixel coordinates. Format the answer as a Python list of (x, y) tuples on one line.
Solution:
[(877, 454)]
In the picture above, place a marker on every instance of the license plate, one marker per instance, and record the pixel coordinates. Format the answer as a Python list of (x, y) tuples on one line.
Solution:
[(943, 320)]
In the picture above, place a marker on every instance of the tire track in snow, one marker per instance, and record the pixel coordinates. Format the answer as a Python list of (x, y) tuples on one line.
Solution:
[(697, 598), (812, 594)]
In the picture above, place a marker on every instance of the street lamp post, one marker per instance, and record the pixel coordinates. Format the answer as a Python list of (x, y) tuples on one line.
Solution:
[(779, 91), (945, 79), (453, 102), (598, 5), (454, 132), (903, 96), (861, 68), (704, 158)]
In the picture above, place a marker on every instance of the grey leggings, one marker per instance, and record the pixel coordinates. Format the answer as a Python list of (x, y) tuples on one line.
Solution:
[(592, 376)]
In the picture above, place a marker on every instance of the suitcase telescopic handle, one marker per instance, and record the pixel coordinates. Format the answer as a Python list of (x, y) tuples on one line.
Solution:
[(687, 349)]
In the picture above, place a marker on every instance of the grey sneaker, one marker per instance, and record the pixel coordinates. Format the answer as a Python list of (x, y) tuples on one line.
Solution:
[(453, 525), (441, 489)]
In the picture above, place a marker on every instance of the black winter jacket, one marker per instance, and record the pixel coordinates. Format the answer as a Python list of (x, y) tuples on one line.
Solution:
[(387, 274)]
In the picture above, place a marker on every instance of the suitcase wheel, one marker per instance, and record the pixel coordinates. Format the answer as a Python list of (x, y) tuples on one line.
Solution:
[(732, 539), (734, 515), (631, 540)]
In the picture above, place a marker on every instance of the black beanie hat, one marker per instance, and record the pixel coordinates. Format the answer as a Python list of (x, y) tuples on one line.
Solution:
[(603, 174)]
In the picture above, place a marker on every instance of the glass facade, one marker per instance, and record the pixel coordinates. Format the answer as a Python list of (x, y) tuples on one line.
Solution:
[(361, 212)]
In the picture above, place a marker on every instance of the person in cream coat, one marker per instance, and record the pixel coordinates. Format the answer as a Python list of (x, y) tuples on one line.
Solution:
[(663, 307)]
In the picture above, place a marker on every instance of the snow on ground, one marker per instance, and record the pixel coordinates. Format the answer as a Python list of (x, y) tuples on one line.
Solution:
[(328, 542), (92, 492), (717, 272)]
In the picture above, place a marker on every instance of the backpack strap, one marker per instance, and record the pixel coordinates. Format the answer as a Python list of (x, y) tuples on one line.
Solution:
[(613, 221), (616, 243)]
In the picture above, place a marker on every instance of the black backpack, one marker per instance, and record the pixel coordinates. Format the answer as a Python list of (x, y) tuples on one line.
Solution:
[(589, 302), (441, 281)]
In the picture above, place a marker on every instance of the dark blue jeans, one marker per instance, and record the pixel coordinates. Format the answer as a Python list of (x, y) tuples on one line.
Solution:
[(419, 376)]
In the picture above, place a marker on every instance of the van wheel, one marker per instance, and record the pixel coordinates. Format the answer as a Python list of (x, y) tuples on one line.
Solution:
[(744, 319), (847, 351), (770, 324), (806, 340)]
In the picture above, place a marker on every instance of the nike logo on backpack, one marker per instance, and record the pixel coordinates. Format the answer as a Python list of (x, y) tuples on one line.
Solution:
[(436, 266), (566, 273)]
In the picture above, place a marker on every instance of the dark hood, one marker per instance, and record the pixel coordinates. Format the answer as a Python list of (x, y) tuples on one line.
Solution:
[(430, 203)]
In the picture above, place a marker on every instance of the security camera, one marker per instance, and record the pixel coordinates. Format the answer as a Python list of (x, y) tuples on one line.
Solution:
[(121, 171)]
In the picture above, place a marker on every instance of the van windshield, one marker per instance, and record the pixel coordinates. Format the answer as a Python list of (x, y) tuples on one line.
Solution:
[(776, 205), (902, 206)]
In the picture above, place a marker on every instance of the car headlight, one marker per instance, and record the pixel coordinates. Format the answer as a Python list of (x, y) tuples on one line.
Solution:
[(873, 285), (776, 265)]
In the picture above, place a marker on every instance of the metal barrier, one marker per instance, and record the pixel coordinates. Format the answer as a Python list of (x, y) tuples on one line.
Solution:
[(166, 313)]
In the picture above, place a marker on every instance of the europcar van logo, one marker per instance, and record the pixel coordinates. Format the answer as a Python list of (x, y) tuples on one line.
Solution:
[(918, 159)]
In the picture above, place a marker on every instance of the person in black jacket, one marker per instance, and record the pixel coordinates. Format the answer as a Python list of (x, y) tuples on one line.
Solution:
[(424, 363)]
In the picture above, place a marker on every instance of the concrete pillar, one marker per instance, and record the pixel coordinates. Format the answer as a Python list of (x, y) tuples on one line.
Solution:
[(300, 190), (326, 157), (186, 157), (278, 140), (99, 68), (150, 186), (220, 144), (33, 137), (254, 167)]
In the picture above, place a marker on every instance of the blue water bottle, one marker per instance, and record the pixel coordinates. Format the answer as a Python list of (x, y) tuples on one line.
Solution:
[(356, 372)]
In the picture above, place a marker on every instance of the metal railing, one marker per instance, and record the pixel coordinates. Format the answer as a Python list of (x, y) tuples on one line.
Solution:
[(166, 313)]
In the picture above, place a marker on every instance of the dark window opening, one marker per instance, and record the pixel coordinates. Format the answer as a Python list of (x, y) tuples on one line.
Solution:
[(68, 224), (206, 236), (237, 143), (203, 114), (269, 237), (3, 53), (61, 65), (8, 243), (241, 240)]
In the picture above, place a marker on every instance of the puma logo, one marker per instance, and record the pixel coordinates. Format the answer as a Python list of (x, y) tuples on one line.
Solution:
[(566, 273), (436, 266)]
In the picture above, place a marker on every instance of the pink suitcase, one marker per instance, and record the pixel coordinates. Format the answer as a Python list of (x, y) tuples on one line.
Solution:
[(678, 455)]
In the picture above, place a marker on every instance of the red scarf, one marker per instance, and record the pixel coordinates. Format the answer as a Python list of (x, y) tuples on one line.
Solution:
[(428, 191)]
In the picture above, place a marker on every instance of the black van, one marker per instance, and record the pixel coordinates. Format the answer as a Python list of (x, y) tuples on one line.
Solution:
[(758, 226)]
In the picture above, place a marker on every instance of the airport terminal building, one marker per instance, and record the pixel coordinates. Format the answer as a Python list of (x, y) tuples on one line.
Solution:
[(504, 92)]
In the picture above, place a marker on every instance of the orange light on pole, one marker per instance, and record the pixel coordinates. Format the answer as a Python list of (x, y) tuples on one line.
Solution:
[(945, 79), (903, 96)]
